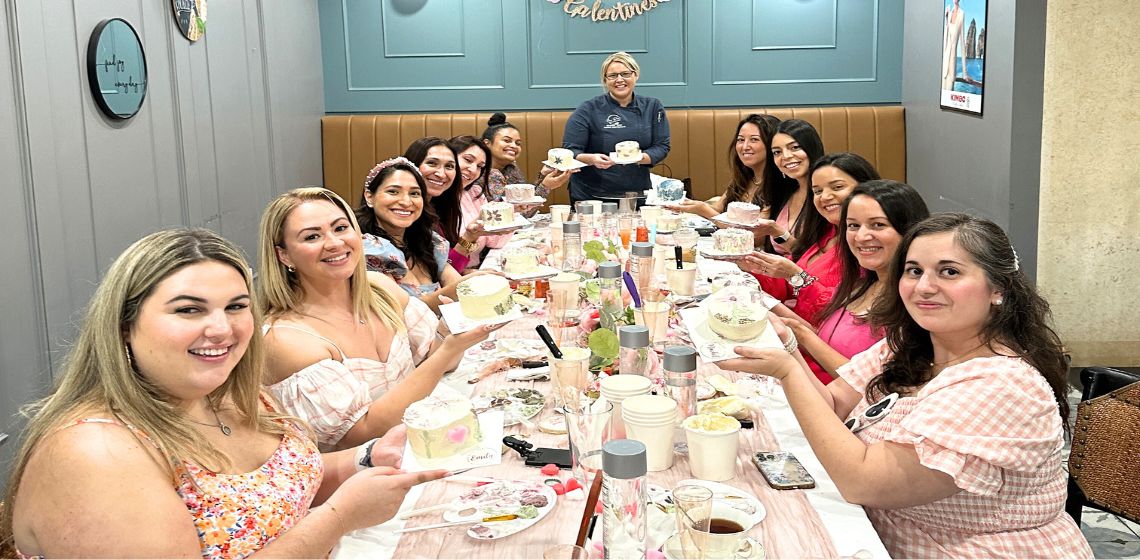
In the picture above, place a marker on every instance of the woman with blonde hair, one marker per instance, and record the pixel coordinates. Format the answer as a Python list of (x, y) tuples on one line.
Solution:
[(598, 124), (348, 350), (158, 442)]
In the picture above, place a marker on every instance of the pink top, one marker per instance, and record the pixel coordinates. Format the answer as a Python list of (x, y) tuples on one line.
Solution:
[(814, 297), (782, 220), (236, 515), (992, 424), (845, 333), (331, 396)]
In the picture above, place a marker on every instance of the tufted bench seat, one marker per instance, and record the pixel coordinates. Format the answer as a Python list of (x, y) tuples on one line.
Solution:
[(352, 144)]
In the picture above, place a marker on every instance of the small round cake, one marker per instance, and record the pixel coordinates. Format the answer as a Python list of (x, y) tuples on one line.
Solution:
[(743, 212), (733, 241), (628, 150), (497, 215), (484, 297), (519, 192), (737, 313), (671, 190), (668, 222), (519, 260), (559, 157), (441, 427)]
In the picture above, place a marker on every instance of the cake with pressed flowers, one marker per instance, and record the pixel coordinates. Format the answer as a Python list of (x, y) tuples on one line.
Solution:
[(628, 150), (559, 157), (441, 426), (519, 260), (497, 214), (519, 192), (484, 297), (670, 190), (737, 313), (733, 241), (743, 212)]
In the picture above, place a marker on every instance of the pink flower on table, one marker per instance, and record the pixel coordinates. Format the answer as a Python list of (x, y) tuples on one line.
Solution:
[(588, 320)]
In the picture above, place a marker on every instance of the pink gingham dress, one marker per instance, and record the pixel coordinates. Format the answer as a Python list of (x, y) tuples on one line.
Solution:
[(331, 396), (992, 424)]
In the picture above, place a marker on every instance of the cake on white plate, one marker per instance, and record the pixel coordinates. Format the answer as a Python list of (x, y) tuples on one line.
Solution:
[(484, 297), (497, 214), (629, 149), (743, 212), (519, 260), (559, 157), (737, 313), (441, 426), (519, 192), (671, 190), (733, 241)]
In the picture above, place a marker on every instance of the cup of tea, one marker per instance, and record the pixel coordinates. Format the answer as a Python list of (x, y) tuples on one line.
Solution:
[(727, 533)]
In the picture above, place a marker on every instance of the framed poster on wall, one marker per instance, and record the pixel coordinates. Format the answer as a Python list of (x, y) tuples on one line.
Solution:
[(963, 55)]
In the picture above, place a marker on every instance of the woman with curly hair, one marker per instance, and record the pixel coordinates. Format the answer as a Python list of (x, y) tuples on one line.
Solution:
[(949, 431)]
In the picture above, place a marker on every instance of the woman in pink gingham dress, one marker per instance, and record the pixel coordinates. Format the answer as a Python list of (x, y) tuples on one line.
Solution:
[(954, 423)]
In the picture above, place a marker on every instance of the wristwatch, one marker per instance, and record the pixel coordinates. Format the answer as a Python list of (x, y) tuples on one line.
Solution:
[(798, 280), (783, 237)]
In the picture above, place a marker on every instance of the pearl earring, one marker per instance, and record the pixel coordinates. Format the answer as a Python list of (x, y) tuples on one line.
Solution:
[(998, 301), (290, 269)]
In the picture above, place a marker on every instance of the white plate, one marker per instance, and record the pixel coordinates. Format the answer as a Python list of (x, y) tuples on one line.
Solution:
[(574, 164), (672, 549), (733, 496), (501, 498), (488, 452), (528, 202), (520, 222), (714, 348), (723, 217), (625, 161), (721, 255), (541, 271), (457, 322)]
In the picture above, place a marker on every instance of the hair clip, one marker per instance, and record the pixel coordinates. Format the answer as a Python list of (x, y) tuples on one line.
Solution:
[(1016, 261), (388, 163)]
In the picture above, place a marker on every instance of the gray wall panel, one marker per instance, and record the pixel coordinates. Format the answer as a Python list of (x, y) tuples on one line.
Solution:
[(228, 122)]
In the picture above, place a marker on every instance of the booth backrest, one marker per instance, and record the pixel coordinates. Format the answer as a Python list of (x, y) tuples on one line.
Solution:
[(352, 144)]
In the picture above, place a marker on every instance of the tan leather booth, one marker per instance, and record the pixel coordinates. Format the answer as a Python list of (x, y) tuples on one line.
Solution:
[(352, 144)]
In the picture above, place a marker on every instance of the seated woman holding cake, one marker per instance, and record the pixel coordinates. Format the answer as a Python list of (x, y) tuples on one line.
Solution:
[(633, 127), (158, 441), (950, 431), (506, 145), (876, 215), (796, 145), (807, 282), (348, 350)]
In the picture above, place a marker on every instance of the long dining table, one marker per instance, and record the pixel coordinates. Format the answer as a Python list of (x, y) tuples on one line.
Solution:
[(811, 523)]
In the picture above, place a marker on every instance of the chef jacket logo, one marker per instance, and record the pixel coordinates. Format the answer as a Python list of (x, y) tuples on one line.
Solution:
[(614, 121)]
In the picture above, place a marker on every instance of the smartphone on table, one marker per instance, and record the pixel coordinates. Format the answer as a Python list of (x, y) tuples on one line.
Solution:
[(782, 470)]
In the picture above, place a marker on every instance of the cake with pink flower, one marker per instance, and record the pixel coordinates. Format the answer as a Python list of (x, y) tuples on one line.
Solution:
[(441, 426)]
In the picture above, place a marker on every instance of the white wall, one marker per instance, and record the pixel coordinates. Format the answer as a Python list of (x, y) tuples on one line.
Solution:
[(228, 122)]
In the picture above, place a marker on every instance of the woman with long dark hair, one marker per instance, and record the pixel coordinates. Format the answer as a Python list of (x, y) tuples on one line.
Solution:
[(950, 431), (875, 217), (506, 144), (807, 282), (458, 209), (795, 147)]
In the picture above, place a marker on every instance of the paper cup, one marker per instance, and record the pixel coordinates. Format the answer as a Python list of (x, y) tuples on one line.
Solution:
[(650, 420), (713, 443), (682, 282), (559, 213), (618, 388)]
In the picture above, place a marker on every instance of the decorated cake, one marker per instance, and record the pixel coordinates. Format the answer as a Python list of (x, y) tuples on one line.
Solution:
[(743, 212), (670, 190), (441, 426), (668, 222), (733, 241), (519, 192), (497, 215), (484, 297), (628, 150), (729, 279), (559, 157), (519, 260), (737, 313)]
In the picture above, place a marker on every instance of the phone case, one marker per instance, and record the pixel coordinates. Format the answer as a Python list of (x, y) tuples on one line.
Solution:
[(782, 470)]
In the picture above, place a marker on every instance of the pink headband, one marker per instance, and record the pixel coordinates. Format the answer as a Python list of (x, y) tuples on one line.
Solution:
[(388, 163)]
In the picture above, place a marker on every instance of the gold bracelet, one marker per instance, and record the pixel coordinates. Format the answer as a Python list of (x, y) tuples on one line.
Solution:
[(465, 246), (339, 518)]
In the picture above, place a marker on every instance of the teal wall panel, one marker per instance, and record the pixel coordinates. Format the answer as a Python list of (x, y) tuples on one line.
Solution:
[(468, 55)]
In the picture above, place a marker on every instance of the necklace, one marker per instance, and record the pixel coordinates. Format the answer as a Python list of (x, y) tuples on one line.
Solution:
[(956, 360), (220, 425)]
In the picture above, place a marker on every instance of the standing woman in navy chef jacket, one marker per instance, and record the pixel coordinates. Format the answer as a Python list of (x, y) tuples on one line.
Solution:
[(598, 124)]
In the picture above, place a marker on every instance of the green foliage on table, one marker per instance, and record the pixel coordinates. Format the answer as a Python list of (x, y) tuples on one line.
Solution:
[(604, 344)]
